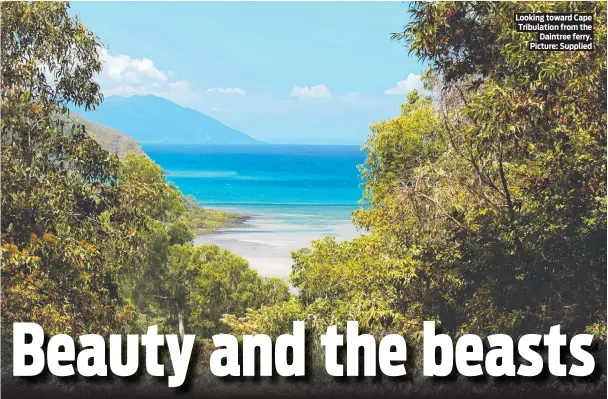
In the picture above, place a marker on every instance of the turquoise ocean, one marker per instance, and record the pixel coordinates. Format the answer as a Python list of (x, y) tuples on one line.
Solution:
[(293, 194)]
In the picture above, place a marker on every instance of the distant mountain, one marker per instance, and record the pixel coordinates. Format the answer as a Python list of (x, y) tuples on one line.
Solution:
[(152, 119), (109, 139)]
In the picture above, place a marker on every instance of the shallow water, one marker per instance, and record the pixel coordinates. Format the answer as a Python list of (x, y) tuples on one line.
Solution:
[(273, 232), (293, 194)]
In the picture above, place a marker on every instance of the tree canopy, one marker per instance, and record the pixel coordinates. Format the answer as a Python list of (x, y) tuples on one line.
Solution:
[(485, 199), (91, 242)]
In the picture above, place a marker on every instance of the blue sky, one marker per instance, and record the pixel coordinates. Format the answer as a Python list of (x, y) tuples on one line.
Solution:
[(297, 72)]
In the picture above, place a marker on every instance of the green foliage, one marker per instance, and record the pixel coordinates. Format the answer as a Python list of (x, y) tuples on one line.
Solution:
[(109, 139), (183, 288), (59, 191), (525, 170), (143, 185), (273, 320), (485, 206), (205, 221), (91, 242), (205, 282), (394, 149)]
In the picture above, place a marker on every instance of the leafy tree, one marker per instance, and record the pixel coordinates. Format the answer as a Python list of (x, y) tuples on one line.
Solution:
[(522, 185), (59, 191), (486, 205), (395, 148), (275, 320), (181, 287), (376, 278), (142, 187), (206, 282), (91, 243)]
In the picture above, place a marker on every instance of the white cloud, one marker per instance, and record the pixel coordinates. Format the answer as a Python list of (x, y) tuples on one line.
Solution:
[(124, 68), (146, 66), (405, 86), (318, 91), (125, 76), (235, 90)]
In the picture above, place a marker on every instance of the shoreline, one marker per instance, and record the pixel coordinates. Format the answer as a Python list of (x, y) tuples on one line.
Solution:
[(266, 236)]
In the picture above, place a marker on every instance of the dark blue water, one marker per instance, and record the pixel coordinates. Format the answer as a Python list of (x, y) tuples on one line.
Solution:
[(277, 175)]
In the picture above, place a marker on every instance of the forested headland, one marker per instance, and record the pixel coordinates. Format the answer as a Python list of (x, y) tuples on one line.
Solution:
[(484, 199)]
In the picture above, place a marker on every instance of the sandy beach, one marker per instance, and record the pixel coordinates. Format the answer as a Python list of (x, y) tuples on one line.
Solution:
[(271, 233)]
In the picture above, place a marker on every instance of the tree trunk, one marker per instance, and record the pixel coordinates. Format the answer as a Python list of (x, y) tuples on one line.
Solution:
[(180, 323)]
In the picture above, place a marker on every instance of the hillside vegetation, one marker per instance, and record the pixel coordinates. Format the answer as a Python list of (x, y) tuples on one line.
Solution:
[(199, 219), (111, 140)]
